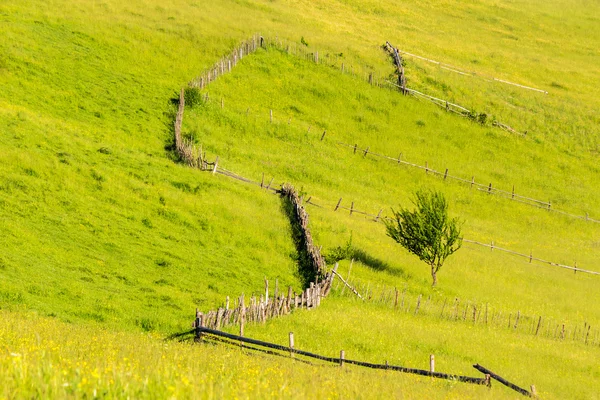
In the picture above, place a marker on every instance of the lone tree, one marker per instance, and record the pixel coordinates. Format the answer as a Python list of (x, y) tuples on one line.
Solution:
[(427, 232)]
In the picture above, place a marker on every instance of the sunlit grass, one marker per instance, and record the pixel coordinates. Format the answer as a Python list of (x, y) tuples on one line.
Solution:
[(100, 228)]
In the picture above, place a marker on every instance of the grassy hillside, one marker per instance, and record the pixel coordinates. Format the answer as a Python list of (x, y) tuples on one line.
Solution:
[(102, 228)]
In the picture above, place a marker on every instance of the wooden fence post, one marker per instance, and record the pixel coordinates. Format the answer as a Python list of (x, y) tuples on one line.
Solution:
[(266, 291), (216, 165), (418, 304), (271, 115), (338, 204), (198, 323), (291, 344), (242, 315), (342, 357), (431, 363)]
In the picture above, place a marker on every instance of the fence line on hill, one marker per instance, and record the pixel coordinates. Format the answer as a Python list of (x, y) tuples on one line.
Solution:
[(457, 70), (262, 308), (540, 326), (194, 157), (473, 313), (547, 205), (487, 188), (448, 106), (378, 217), (203, 333)]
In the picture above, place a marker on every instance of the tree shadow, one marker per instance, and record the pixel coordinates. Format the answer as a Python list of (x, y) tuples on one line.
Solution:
[(376, 264)]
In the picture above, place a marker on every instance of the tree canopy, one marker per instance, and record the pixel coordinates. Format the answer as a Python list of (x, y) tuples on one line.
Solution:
[(427, 232)]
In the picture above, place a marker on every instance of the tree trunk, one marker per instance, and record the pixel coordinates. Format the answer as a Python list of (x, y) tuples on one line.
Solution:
[(434, 276)]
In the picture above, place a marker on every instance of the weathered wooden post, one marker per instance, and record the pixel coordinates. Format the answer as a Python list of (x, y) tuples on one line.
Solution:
[(198, 324), (292, 344), (242, 315), (266, 291), (431, 363), (342, 357)]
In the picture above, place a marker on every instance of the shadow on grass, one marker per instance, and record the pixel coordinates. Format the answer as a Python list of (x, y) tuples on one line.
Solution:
[(376, 264), (306, 272), (169, 123)]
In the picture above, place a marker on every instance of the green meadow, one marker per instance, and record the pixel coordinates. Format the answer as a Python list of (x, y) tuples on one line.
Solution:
[(108, 244)]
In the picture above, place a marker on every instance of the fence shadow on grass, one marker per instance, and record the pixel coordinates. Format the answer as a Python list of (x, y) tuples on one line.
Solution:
[(306, 271)]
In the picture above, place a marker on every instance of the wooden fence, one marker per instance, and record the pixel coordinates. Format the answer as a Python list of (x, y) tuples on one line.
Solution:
[(472, 313), (448, 106), (202, 333), (457, 310), (379, 218), (470, 73), (195, 158), (262, 308), (486, 188), (317, 264)]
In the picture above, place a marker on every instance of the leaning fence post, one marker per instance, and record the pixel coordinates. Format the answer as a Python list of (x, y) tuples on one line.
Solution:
[(338, 204), (216, 165), (418, 304), (538, 325)]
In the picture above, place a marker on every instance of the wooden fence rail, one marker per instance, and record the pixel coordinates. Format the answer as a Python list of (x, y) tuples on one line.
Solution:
[(531, 258), (201, 332), (262, 308), (470, 73), (469, 312), (473, 313), (448, 106), (378, 217), (502, 380), (487, 188), (194, 157)]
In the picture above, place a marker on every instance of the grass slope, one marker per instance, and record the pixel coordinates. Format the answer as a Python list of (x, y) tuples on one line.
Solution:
[(100, 226)]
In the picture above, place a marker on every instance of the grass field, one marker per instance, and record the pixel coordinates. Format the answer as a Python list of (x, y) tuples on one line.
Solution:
[(107, 243)]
